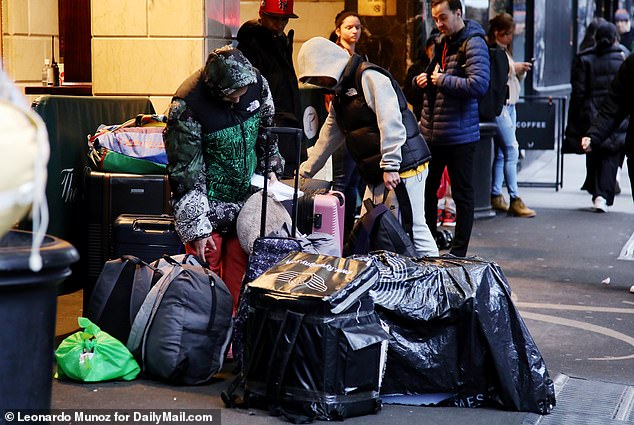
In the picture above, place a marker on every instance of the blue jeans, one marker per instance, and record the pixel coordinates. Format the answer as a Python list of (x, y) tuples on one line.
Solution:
[(506, 153)]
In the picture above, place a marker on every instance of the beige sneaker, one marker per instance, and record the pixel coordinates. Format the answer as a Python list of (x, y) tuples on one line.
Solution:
[(519, 209), (499, 204)]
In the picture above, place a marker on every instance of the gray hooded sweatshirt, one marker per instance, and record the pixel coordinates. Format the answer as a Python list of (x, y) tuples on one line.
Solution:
[(319, 57)]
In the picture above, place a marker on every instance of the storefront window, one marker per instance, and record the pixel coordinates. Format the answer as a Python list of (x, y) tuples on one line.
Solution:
[(552, 39), (585, 13), (478, 10)]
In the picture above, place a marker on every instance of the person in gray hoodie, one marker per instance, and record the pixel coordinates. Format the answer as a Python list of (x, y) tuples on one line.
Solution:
[(369, 113)]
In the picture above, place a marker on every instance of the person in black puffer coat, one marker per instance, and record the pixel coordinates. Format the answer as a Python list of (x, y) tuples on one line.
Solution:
[(264, 43), (592, 72)]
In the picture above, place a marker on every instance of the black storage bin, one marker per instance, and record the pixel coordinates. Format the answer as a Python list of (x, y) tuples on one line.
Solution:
[(482, 171), (303, 359), (146, 236), (28, 303), (323, 376)]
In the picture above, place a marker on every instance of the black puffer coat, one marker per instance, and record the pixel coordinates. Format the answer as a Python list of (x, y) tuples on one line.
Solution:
[(359, 124), (592, 72), (272, 55)]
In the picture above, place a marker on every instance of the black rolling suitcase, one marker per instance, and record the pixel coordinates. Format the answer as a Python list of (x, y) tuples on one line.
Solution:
[(148, 237), (315, 347), (108, 196)]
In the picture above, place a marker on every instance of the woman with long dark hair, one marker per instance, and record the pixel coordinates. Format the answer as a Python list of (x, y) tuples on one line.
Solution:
[(347, 35), (500, 32)]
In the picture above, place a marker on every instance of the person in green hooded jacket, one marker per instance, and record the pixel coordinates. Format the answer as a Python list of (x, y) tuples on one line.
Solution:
[(215, 141)]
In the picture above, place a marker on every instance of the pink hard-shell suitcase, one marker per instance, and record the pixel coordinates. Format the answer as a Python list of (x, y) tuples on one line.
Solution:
[(320, 210)]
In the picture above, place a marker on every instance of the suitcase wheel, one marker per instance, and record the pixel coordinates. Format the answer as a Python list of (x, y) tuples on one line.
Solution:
[(443, 238)]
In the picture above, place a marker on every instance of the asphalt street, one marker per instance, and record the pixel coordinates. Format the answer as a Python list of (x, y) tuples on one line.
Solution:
[(567, 280)]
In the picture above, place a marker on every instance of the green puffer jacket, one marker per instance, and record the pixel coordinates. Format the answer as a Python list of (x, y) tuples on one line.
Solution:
[(213, 149)]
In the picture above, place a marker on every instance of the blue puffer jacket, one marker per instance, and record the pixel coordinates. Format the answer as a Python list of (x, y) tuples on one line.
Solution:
[(450, 109)]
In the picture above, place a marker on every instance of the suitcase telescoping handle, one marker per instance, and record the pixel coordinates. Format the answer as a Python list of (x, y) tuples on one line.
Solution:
[(153, 225), (298, 141)]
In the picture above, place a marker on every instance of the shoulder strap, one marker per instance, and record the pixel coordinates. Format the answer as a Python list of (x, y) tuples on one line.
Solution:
[(373, 212), (349, 74), (141, 285), (364, 66), (105, 284), (405, 208), (462, 51), (147, 311)]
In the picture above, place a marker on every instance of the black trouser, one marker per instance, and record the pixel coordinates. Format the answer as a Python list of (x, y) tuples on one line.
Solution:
[(346, 179), (459, 162), (601, 169)]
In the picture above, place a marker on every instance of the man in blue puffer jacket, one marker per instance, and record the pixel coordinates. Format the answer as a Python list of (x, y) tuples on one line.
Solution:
[(454, 80)]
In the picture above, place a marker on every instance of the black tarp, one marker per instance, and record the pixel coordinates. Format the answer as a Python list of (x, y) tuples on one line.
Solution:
[(454, 329)]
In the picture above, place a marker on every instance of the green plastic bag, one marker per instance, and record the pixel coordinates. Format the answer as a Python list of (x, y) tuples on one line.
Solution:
[(92, 355)]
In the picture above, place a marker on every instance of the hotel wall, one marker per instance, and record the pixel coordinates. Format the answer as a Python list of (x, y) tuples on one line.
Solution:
[(27, 27), (142, 47), (149, 47)]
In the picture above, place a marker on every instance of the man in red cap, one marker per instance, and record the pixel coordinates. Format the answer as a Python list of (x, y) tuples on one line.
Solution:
[(270, 50)]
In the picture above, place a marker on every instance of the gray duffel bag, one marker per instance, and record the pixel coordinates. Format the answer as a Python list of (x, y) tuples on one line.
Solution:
[(182, 330)]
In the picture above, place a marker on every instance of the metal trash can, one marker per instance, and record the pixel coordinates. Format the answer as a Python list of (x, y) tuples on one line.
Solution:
[(28, 304), (482, 174)]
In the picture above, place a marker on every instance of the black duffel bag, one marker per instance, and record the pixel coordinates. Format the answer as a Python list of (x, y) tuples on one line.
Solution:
[(378, 229)]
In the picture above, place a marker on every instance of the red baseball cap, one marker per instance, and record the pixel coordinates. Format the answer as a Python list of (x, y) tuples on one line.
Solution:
[(277, 8)]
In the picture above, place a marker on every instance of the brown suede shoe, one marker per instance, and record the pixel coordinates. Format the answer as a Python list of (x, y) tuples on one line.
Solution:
[(499, 204), (519, 209)]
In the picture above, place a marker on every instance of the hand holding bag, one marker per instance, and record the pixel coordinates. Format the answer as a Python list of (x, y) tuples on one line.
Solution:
[(378, 229)]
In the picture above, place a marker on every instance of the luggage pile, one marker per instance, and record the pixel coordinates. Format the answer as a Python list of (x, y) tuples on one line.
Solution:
[(135, 146), (453, 332), (173, 314), (128, 195), (316, 336)]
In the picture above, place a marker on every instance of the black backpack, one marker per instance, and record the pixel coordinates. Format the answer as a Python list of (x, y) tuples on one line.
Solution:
[(118, 294), (491, 103), (121, 289), (378, 229)]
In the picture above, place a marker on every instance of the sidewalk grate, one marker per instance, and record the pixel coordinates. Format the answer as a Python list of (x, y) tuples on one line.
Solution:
[(583, 402)]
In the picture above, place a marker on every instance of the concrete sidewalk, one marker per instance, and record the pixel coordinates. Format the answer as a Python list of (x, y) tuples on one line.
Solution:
[(542, 169), (541, 274)]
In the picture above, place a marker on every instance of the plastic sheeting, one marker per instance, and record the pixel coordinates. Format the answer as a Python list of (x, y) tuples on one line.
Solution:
[(454, 329)]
